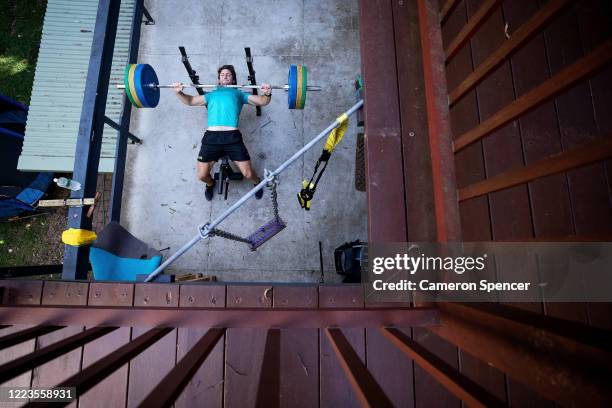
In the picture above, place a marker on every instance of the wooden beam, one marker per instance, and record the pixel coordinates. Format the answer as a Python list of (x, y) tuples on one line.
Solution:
[(26, 334), (587, 343), (247, 317), (554, 164), (473, 24), (543, 358), (450, 378), (563, 238), (416, 154), (70, 202), (446, 209), (23, 364), (449, 6), (383, 140), (168, 390), (101, 369), (268, 392), (569, 76), (523, 34), (365, 386)]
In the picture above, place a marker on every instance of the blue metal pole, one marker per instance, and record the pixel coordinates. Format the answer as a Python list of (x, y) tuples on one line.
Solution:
[(89, 138)]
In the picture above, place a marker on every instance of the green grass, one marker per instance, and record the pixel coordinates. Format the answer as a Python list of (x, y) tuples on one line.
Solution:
[(21, 24), (32, 241)]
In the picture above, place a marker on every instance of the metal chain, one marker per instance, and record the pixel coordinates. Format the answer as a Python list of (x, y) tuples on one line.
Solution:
[(272, 182), (275, 204), (227, 235)]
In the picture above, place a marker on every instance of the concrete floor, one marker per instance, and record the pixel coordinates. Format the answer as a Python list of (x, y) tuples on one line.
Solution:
[(163, 200)]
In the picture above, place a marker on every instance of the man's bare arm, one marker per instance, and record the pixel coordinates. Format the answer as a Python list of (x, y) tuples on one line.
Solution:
[(189, 100), (262, 100), (259, 100)]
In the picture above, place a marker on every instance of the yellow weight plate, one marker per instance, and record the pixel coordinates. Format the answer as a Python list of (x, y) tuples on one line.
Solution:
[(298, 95), (132, 86)]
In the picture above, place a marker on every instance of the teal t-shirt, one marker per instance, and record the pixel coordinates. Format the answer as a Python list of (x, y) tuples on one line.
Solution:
[(224, 106)]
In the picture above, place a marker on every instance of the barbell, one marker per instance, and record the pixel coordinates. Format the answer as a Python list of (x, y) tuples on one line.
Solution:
[(142, 86)]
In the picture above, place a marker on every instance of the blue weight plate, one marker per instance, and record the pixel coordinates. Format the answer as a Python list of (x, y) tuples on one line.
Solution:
[(140, 86), (144, 76), (292, 86), (149, 77)]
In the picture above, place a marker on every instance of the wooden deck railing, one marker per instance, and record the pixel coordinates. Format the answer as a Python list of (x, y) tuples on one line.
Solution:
[(580, 70), (531, 348), (519, 38), (478, 164)]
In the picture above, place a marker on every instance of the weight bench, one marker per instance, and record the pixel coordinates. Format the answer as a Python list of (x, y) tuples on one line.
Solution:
[(224, 174)]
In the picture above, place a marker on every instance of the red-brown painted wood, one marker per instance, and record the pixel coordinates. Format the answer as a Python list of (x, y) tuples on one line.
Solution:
[(206, 386), (55, 371), (517, 38), (477, 19), (383, 144), (244, 348), (112, 391), (563, 81), (149, 367), (385, 363), (365, 387), (420, 217), (19, 293), (439, 135), (552, 165), (595, 28), (475, 220), (587, 186), (299, 356), (462, 387), (469, 163), (335, 388)]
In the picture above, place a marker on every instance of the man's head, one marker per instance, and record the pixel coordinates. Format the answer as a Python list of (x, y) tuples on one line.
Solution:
[(226, 75)]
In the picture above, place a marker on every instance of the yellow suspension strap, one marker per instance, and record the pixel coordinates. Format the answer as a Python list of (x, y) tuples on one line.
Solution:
[(309, 186)]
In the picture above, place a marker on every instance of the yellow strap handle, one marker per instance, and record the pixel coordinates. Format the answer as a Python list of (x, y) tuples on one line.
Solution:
[(336, 135)]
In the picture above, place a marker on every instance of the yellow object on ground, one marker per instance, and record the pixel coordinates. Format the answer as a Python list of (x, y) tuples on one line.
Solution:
[(78, 237)]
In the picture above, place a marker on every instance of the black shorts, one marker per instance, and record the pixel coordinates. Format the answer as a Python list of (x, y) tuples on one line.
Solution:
[(219, 143)]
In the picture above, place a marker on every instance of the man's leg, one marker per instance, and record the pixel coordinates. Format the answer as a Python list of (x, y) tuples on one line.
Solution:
[(240, 155), (247, 171), (203, 172)]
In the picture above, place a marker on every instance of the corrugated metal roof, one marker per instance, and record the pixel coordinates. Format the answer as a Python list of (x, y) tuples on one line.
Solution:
[(59, 86)]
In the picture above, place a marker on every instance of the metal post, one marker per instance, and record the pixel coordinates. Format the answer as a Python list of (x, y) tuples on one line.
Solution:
[(195, 79), (122, 131), (8, 272), (149, 20), (121, 148), (251, 78), (89, 139)]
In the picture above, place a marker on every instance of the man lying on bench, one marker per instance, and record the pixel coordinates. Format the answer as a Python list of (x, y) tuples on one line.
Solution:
[(222, 138)]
